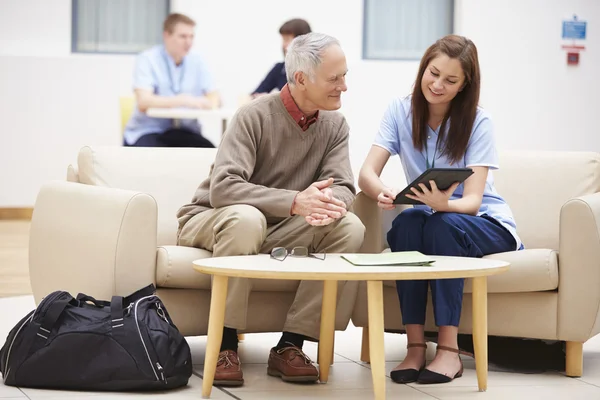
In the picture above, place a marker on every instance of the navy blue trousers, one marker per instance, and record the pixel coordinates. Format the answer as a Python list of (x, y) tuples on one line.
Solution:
[(442, 234), (174, 137)]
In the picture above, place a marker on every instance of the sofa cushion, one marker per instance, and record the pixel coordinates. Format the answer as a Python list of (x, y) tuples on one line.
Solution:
[(174, 269), (170, 175), (534, 270)]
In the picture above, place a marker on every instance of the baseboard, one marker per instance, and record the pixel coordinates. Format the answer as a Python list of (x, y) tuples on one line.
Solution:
[(16, 213)]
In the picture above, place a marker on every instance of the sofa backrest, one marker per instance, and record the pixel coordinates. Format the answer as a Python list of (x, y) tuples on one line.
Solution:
[(536, 184), (170, 175)]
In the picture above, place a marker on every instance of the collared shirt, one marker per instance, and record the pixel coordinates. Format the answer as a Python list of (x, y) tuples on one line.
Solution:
[(290, 105), (395, 136), (156, 71), (275, 79)]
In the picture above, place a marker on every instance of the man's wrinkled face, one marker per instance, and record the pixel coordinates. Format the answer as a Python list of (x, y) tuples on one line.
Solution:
[(324, 89)]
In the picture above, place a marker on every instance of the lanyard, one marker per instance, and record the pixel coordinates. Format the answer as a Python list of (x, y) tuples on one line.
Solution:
[(427, 157), (174, 89)]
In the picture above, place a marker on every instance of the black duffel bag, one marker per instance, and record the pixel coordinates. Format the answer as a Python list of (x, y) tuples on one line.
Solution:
[(129, 343)]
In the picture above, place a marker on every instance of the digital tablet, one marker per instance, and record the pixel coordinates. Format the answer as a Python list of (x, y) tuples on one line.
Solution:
[(443, 178)]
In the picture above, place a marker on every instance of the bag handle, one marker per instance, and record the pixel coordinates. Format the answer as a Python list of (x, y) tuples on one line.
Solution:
[(143, 292), (116, 310), (84, 298), (53, 314)]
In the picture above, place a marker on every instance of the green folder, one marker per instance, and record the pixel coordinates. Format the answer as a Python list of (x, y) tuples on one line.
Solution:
[(399, 258)]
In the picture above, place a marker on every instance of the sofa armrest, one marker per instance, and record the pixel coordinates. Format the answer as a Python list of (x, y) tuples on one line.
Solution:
[(72, 173), (367, 211), (579, 269), (96, 240), (376, 221)]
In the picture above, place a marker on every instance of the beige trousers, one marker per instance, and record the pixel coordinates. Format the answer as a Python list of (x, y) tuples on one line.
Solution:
[(243, 230)]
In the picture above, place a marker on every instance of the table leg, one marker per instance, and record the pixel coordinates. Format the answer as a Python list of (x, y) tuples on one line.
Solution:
[(480, 330), (331, 353), (377, 351), (216, 319), (327, 333)]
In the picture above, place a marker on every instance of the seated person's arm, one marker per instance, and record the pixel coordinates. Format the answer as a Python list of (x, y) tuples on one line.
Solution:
[(336, 165), (268, 83), (472, 196), (234, 166), (147, 99), (386, 144), (480, 156), (368, 178)]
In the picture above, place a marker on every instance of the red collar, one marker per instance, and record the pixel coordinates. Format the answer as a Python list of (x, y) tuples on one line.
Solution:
[(290, 105)]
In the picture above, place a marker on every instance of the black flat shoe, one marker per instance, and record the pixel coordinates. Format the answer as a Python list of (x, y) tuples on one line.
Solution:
[(408, 375), (428, 377)]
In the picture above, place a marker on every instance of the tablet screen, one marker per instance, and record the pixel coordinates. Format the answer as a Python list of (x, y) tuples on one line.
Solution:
[(443, 178)]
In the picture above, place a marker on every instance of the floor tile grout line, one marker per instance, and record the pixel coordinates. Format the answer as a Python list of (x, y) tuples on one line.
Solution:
[(422, 392), (199, 375), (588, 383), (364, 365), (361, 363), (24, 394)]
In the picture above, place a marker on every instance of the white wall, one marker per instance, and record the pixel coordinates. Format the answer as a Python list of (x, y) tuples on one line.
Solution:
[(53, 102), (537, 100)]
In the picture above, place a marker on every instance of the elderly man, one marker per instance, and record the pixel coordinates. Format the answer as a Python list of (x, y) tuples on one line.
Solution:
[(281, 179)]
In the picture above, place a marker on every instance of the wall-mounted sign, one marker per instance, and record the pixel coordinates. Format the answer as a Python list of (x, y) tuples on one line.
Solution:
[(572, 31)]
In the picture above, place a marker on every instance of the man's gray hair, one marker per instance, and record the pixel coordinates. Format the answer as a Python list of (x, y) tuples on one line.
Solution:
[(304, 54)]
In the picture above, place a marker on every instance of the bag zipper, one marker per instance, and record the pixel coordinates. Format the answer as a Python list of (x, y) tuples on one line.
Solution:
[(135, 308), (161, 312), (11, 345), (162, 375)]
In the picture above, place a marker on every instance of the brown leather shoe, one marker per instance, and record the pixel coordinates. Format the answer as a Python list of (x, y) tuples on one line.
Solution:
[(292, 365), (229, 370)]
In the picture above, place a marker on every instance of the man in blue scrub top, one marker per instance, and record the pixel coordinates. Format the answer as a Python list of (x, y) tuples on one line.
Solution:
[(166, 76)]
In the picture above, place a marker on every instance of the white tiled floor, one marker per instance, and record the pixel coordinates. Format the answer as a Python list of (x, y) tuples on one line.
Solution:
[(349, 379)]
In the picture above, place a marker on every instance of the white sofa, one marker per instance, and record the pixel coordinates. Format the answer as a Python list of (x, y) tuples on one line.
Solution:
[(111, 229)]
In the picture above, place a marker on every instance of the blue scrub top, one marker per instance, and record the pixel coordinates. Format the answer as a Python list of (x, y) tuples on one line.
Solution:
[(155, 70), (395, 136)]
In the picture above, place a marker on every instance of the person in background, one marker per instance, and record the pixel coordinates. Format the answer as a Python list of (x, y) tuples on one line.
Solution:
[(276, 78), (440, 125), (166, 76)]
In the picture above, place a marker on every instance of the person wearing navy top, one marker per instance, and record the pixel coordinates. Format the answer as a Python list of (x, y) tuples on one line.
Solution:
[(276, 78), (440, 125), (166, 76)]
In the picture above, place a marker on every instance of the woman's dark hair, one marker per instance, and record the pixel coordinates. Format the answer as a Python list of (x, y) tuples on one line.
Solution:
[(462, 108)]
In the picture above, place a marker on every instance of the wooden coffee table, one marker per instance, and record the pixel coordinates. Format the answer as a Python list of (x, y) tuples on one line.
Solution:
[(330, 271)]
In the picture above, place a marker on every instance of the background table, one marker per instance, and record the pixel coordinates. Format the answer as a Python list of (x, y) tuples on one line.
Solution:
[(222, 114)]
